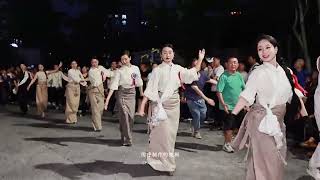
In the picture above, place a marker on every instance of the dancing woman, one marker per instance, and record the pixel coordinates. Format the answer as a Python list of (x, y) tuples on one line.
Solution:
[(126, 79), (42, 89), (314, 164), (162, 91), (75, 78), (263, 131)]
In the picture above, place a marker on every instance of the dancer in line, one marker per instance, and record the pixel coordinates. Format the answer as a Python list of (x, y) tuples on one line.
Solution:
[(73, 93), (263, 130), (24, 78), (314, 164), (97, 75), (162, 91), (42, 89), (126, 79)]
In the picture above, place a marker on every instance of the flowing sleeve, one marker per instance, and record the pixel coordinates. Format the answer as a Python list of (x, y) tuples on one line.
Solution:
[(152, 88), (250, 90), (106, 72), (188, 75), (139, 81), (114, 84)]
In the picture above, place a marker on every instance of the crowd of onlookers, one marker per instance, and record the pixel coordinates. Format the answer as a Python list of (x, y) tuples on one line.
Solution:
[(303, 129)]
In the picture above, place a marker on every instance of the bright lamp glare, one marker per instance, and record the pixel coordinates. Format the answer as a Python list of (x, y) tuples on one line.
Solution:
[(14, 45)]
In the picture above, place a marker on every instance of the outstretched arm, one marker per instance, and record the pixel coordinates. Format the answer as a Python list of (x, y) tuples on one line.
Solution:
[(54, 71), (242, 103), (200, 93), (32, 81), (142, 106), (108, 99), (25, 78)]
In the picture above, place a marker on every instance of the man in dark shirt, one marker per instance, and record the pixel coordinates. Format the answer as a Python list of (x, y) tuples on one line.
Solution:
[(196, 101)]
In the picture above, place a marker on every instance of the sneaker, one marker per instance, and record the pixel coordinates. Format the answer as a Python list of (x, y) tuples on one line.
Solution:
[(227, 148), (197, 135)]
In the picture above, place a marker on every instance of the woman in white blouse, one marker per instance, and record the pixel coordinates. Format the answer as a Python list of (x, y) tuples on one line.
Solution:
[(270, 86), (75, 78), (126, 79), (42, 89), (164, 113)]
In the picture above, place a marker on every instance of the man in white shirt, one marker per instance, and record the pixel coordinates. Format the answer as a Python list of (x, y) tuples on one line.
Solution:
[(97, 75), (217, 71)]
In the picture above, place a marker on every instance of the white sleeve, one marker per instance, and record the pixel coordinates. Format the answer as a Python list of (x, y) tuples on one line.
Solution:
[(220, 71), (187, 76), (138, 80), (106, 72), (250, 91), (25, 78), (114, 84), (152, 90)]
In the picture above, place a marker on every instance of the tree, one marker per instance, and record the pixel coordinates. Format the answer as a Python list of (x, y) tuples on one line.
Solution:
[(299, 29)]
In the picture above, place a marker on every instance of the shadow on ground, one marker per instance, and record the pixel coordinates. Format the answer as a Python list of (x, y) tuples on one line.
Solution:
[(76, 171), (57, 126), (186, 146), (89, 140)]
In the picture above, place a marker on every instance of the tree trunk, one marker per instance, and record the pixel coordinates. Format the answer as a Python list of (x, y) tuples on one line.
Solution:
[(318, 11), (304, 36)]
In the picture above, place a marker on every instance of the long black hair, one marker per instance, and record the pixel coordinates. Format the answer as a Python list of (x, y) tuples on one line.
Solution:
[(294, 107)]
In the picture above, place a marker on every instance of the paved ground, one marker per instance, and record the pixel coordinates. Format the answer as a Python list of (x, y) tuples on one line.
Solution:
[(31, 148)]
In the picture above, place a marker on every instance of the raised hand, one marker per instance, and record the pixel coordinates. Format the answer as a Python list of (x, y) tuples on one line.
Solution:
[(202, 53)]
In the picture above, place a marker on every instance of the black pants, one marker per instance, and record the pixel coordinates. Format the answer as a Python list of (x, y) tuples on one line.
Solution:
[(83, 104), (56, 95), (112, 103), (231, 122), (23, 98)]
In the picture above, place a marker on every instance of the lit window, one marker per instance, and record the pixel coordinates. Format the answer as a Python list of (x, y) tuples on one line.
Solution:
[(124, 16)]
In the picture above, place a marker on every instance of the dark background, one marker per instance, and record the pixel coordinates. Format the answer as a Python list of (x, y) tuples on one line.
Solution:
[(52, 30)]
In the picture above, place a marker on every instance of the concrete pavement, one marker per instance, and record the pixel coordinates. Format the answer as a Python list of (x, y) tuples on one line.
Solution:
[(32, 148)]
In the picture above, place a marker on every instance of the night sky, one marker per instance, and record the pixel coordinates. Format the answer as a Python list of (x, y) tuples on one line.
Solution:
[(83, 28)]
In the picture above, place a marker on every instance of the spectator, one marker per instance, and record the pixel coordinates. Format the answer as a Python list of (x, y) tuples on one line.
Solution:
[(300, 72), (242, 71), (218, 70), (196, 101), (229, 87)]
